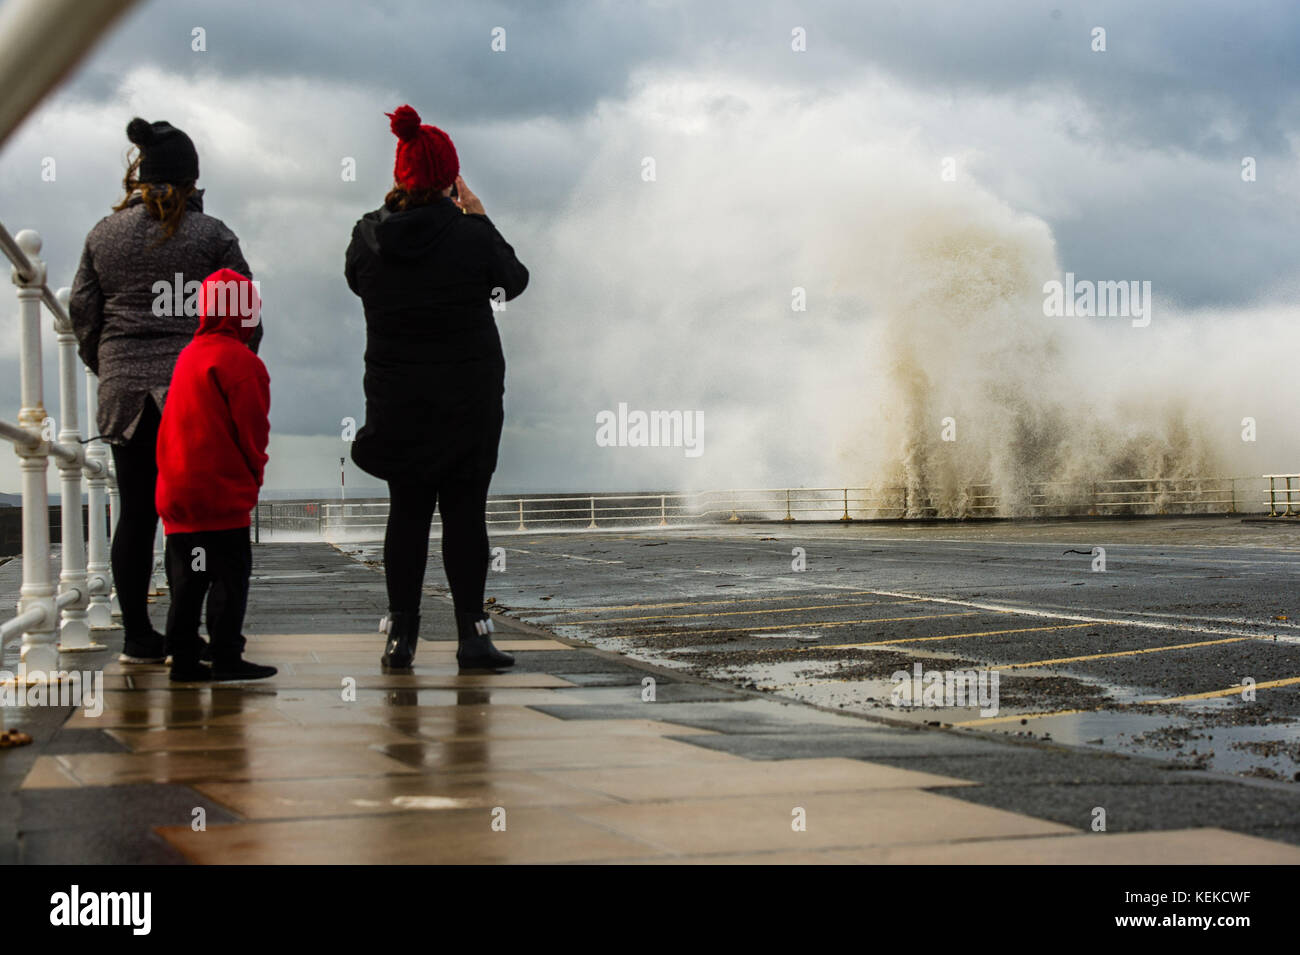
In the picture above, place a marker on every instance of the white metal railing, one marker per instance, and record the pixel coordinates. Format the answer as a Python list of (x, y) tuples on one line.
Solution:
[(1043, 498), (586, 511), (81, 599), (1286, 497), (613, 510)]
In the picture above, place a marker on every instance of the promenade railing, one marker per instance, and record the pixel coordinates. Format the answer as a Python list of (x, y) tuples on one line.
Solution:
[(1283, 495), (55, 615), (365, 518)]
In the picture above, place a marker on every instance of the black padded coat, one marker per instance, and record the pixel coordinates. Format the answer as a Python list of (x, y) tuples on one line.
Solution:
[(435, 372)]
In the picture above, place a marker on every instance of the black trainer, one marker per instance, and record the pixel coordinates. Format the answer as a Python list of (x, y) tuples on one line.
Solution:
[(474, 648), (230, 671), (403, 629), (150, 649), (185, 672)]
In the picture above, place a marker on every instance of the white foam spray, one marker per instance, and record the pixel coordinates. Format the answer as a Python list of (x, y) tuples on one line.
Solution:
[(925, 303)]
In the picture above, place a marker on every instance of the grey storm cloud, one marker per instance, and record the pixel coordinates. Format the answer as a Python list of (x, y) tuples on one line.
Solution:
[(1210, 79), (1182, 93), (1171, 70)]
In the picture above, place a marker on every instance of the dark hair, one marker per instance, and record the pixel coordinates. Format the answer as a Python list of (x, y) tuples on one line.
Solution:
[(399, 199), (163, 201)]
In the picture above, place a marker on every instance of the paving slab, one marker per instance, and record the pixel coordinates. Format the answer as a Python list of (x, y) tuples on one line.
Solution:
[(831, 820), (796, 776), (436, 837), (564, 759)]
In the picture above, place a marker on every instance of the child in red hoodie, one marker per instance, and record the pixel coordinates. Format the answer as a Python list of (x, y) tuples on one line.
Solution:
[(211, 458)]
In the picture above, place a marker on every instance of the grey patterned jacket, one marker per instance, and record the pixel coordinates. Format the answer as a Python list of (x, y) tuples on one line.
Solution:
[(120, 336)]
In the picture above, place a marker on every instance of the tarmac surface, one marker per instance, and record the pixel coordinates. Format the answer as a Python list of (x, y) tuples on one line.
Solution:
[(679, 691), (1123, 658)]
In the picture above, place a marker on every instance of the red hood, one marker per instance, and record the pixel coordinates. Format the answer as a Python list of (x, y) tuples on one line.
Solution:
[(229, 305)]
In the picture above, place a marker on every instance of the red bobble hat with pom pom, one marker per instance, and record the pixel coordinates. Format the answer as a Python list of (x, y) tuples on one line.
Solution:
[(426, 158)]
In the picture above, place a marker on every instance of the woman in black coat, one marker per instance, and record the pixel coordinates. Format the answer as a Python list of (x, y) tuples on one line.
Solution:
[(428, 266)]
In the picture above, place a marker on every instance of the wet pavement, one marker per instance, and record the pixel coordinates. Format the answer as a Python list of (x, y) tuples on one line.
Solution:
[(1146, 656), (657, 712)]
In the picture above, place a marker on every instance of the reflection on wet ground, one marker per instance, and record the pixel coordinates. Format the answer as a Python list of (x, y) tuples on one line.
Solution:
[(584, 755), (1187, 646)]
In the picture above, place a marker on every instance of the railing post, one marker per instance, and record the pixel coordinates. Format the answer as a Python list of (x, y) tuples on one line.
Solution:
[(99, 613), (39, 652), (114, 505), (788, 515), (663, 510), (114, 515), (593, 513), (1290, 498), (74, 630), (521, 515), (158, 581), (846, 506)]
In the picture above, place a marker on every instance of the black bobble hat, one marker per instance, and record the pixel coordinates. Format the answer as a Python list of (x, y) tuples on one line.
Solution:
[(166, 153)]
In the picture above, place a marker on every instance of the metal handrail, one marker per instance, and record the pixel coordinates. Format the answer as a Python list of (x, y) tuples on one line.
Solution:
[(846, 504), (81, 599), (1285, 496), (40, 42)]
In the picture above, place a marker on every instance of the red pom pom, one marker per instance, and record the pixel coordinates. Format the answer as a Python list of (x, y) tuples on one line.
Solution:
[(405, 123)]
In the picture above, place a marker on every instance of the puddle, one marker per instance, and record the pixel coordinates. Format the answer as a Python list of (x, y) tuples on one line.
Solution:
[(1197, 740)]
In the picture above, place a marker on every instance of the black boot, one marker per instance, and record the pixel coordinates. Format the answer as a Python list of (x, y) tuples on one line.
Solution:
[(403, 629), (474, 650)]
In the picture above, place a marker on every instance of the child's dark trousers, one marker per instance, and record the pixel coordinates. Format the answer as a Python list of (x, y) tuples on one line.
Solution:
[(222, 561)]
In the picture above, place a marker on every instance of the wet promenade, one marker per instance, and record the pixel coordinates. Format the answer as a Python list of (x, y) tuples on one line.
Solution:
[(580, 754)]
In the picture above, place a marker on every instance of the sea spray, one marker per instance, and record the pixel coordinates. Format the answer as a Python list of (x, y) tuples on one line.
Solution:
[(923, 303)]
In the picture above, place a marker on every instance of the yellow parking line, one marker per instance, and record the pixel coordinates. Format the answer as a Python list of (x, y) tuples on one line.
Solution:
[(693, 603), (738, 613), (1019, 716), (1121, 653), (1211, 694), (1036, 663), (946, 636), (1230, 691), (797, 625)]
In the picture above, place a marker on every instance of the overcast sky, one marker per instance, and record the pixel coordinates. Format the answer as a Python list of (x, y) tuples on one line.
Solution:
[(774, 169)]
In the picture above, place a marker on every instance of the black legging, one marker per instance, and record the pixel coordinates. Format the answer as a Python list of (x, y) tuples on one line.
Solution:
[(465, 552), (137, 523)]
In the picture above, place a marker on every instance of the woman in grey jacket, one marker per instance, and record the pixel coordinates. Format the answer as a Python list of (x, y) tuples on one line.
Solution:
[(134, 307)]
